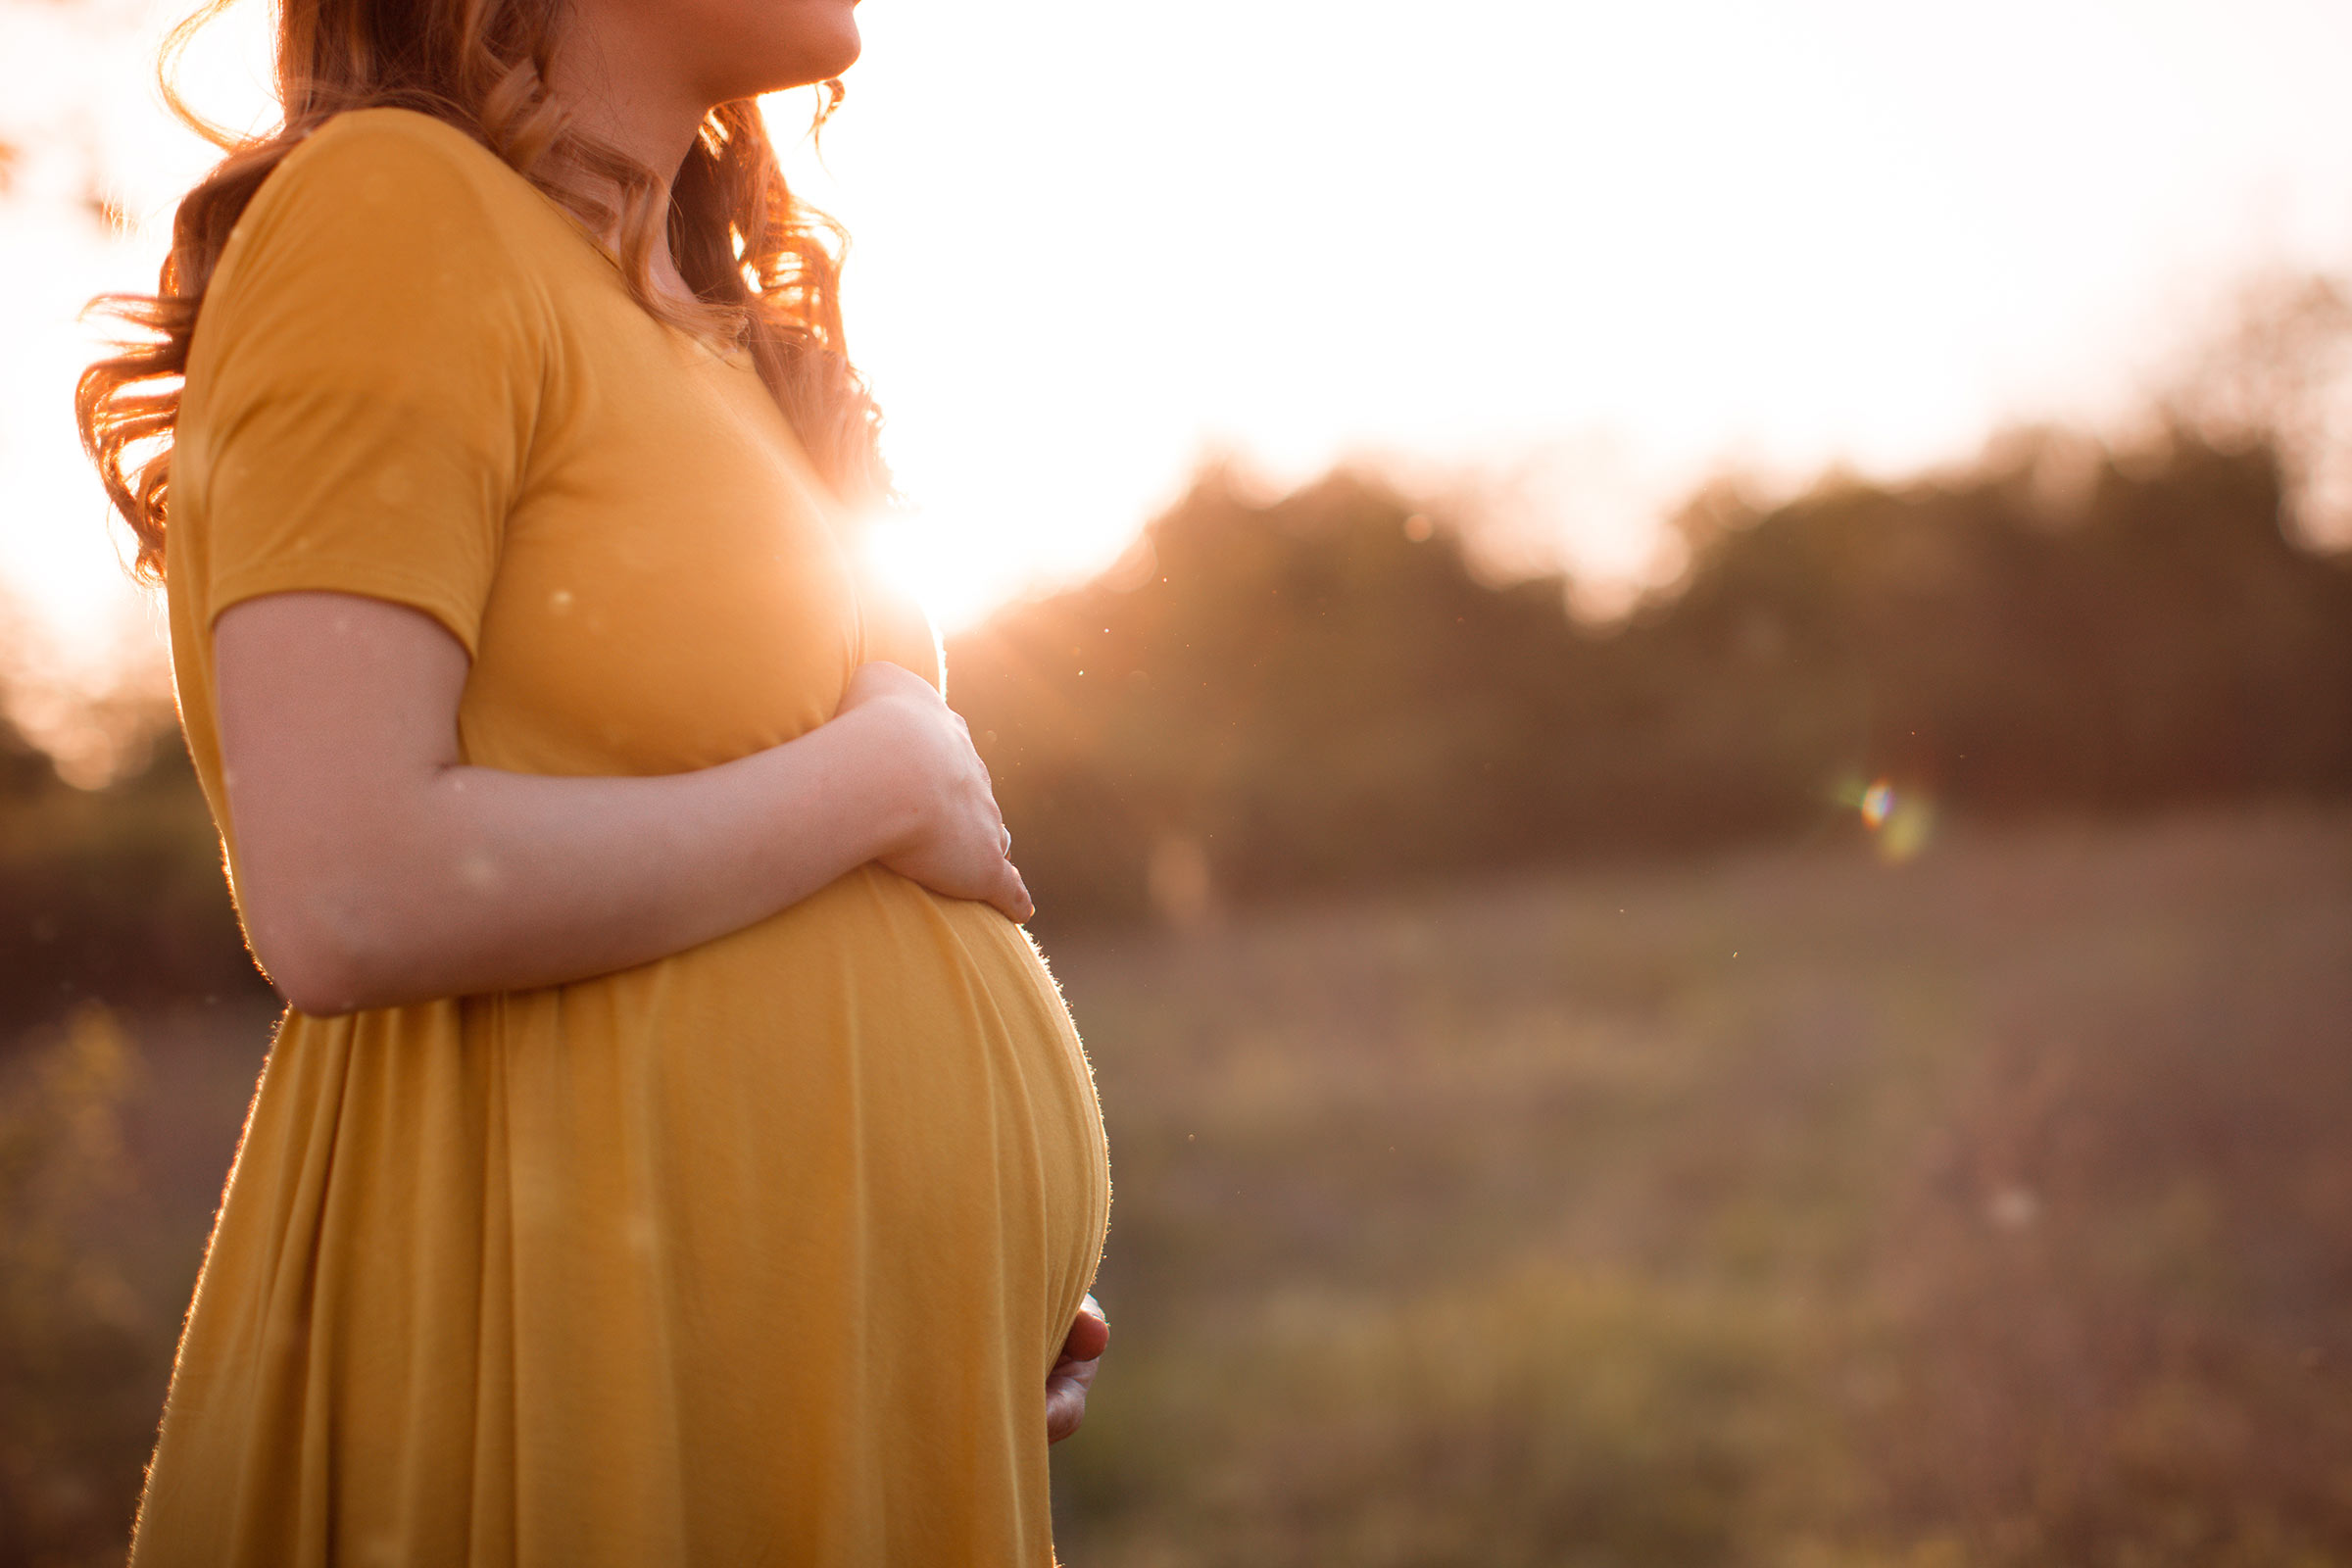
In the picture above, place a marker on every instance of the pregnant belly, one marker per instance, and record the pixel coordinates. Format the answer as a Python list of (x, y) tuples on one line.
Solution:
[(770, 1241), (876, 1091)]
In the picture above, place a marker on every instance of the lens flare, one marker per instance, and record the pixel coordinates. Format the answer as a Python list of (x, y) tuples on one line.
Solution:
[(1909, 822), (1900, 820), (1878, 805)]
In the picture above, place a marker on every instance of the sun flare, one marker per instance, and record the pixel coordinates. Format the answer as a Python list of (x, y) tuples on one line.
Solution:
[(1662, 239)]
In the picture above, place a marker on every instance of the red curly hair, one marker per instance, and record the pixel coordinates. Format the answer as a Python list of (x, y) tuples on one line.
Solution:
[(765, 267)]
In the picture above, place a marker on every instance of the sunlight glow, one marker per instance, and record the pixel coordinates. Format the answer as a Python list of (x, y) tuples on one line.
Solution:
[(958, 572), (1581, 256)]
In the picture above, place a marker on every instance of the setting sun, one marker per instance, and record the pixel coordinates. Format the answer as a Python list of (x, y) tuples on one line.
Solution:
[(1571, 259)]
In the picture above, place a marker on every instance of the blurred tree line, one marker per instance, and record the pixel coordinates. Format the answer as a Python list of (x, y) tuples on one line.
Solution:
[(113, 894), (1320, 694)]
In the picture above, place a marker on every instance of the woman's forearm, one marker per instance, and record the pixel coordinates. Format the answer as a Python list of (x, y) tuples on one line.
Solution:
[(470, 880), (374, 869)]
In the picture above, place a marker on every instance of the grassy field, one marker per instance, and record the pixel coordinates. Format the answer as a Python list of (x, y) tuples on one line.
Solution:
[(1786, 1209), (1789, 1209)]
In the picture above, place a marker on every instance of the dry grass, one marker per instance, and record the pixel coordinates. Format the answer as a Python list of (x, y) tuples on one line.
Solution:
[(1792, 1210), (1789, 1209)]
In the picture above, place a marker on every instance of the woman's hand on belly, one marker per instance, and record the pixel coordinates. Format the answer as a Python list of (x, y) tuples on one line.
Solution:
[(1073, 1375), (949, 835), (376, 867)]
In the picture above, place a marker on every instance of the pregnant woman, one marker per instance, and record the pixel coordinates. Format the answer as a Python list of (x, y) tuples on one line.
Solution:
[(674, 1152)]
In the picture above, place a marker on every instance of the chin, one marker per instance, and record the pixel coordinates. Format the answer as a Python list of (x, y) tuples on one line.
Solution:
[(806, 41), (833, 45), (743, 48)]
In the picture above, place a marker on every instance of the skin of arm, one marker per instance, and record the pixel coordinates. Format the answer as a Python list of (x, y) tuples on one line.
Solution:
[(376, 869)]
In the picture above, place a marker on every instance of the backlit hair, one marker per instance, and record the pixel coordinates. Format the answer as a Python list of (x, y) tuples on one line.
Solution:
[(763, 266)]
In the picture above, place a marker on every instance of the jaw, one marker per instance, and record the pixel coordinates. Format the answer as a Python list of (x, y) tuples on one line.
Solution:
[(749, 48), (688, 56)]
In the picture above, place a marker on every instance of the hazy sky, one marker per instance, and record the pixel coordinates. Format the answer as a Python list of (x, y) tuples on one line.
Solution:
[(1590, 250)]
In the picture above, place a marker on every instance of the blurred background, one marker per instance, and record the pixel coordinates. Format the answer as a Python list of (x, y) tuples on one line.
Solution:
[(1677, 682)]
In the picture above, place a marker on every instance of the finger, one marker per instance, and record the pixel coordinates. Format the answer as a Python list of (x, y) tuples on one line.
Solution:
[(1008, 832), (1013, 896), (1089, 1336), (1065, 1411)]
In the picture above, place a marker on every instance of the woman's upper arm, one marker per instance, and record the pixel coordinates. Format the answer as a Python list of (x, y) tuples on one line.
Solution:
[(365, 385), (360, 396), (336, 711)]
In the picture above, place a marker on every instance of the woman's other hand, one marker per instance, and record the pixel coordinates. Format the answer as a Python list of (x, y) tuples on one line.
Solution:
[(950, 836), (1073, 1375)]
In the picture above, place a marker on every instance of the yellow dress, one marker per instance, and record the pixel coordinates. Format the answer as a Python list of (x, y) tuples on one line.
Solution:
[(756, 1255)]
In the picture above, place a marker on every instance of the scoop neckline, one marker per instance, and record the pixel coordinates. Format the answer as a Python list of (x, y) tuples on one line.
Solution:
[(736, 355)]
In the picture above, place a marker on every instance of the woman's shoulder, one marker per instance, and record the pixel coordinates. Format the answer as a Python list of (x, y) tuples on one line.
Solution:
[(383, 244), (396, 177), (393, 132)]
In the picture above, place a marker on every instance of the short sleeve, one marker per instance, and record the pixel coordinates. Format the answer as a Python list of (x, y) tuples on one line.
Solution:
[(367, 367)]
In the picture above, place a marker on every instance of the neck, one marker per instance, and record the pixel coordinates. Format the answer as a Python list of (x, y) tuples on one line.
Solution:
[(609, 70)]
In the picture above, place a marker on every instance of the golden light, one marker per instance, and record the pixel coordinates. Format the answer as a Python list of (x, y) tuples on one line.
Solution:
[(1618, 244), (956, 572)]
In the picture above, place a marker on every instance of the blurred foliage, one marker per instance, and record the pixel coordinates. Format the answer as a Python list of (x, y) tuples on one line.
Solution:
[(1317, 693), (115, 1128), (113, 894), (2280, 373), (80, 1357), (1320, 694)]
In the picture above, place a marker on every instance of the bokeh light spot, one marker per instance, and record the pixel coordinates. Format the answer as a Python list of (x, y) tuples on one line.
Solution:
[(1878, 805), (1900, 820)]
